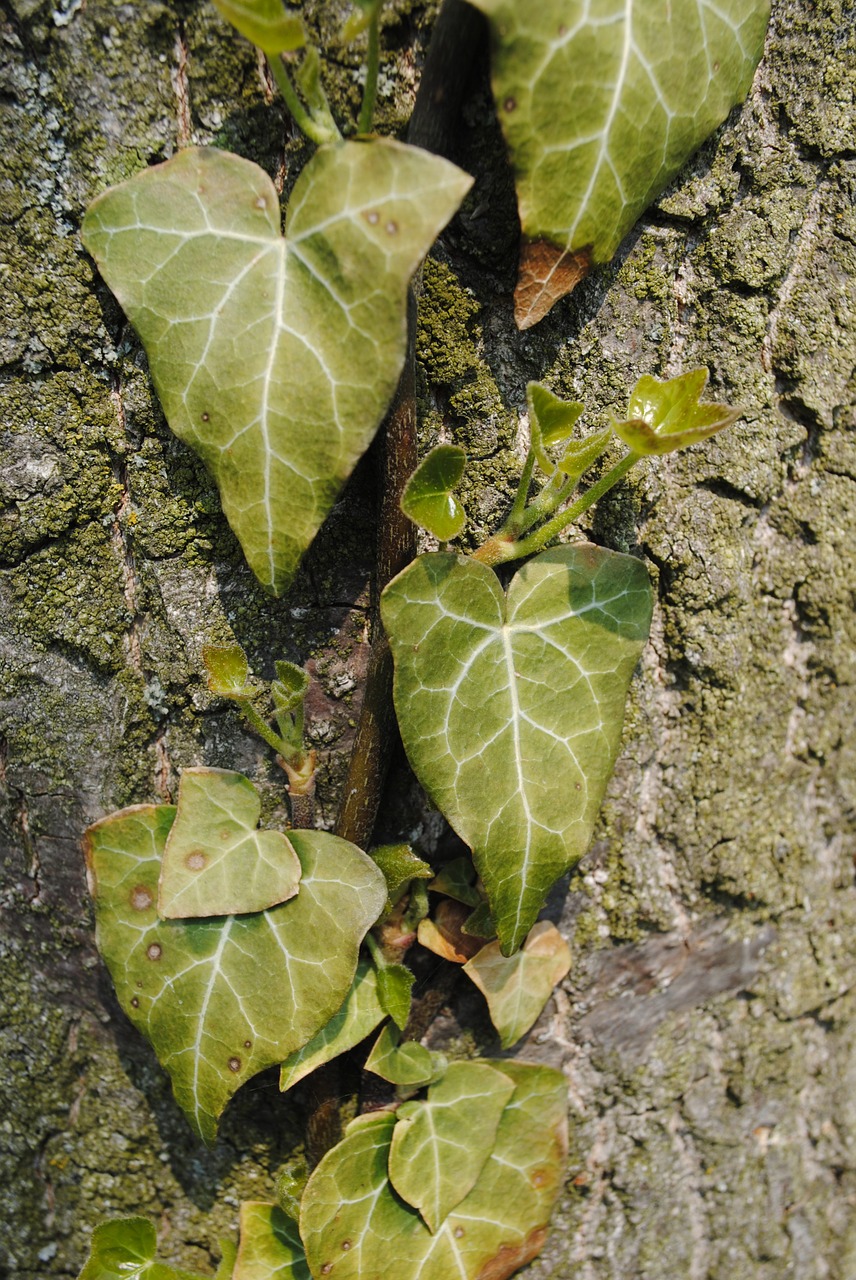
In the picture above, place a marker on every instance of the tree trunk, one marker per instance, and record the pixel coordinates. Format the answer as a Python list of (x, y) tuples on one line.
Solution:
[(708, 1027)]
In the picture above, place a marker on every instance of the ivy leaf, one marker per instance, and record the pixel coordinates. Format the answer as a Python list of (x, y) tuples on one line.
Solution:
[(665, 416), (266, 23), (224, 998), (600, 107), (274, 358), (428, 499), (554, 419), (518, 987), (216, 862), (444, 934), (480, 924), (228, 670), (353, 1225), (399, 865), (124, 1249), (228, 1258), (270, 1247), (440, 1146), (511, 706), (579, 455), (456, 879), (394, 985), (360, 1013), (408, 1065)]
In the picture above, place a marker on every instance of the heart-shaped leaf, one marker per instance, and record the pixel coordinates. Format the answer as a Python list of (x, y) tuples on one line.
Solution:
[(517, 987), (552, 418), (275, 358), (409, 1065), (665, 416), (600, 105), (270, 1247), (216, 862), (440, 1146), (357, 1018), (354, 1226), (124, 1249), (223, 999), (264, 22), (511, 707), (428, 499)]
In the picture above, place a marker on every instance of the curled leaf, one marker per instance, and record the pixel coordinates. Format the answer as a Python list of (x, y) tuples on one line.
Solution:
[(216, 862), (665, 416), (518, 987), (444, 933), (428, 499), (227, 669), (456, 879)]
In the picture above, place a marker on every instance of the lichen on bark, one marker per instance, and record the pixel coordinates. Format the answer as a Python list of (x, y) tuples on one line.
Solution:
[(707, 1026)]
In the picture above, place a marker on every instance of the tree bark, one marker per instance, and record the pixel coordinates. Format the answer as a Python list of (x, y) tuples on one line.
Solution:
[(708, 1026)]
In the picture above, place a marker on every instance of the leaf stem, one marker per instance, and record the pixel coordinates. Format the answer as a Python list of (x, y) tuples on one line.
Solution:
[(367, 108), (538, 540), (263, 729), (515, 515), (312, 128)]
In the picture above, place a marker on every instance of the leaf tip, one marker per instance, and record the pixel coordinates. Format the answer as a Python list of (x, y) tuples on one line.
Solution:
[(546, 274)]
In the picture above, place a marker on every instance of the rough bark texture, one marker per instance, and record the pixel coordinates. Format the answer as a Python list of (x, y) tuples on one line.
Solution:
[(708, 1027)]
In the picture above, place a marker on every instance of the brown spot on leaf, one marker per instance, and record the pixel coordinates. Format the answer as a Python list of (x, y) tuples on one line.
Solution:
[(538, 1178), (235, 1065), (459, 1233), (327, 1268), (206, 417), (391, 228), (135, 1002), (510, 104), (196, 860), (545, 274), (372, 217), (346, 1244), (513, 1256), (248, 1044), (154, 951), (141, 898)]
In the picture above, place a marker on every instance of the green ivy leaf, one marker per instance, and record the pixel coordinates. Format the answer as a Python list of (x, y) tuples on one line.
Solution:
[(266, 23), (361, 1012), (216, 862), (579, 455), (511, 707), (270, 1247), (518, 987), (290, 687), (274, 358), (440, 1146), (394, 985), (456, 879), (409, 1065), (665, 416), (600, 106), (428, 499), (354, 1226), (228, 1258), (480, 924), (228, 670), (222, 999), (553, 419), (400, 865), (124, 1249)]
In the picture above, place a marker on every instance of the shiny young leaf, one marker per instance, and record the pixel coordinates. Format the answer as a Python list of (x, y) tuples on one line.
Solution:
[(274, 358), (601, 103), (224, 998), (270, 1247), (266, 23), (124, 1249), (525, 689), (400, 865), (440, 1146), (428, 498), (518, 987), (360, 1013), (354, 1226), (409, 1065), (228, 670), (665, 416), (216, 862), (553, 419)]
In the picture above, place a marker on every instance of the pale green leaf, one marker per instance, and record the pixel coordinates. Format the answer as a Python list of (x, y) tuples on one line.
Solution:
[(264, 22), (428, 499), (290, 686), (409, 1065), (579, 455), (354, 1226), (518, 987), (228, 1257), (511, 707), (224, 998), (270, 1247), (400, 865), (394, 985), (552, 418), (216, 862), (601, 103), (663, 416), (456, 879), (124, 1249), (440, 1146), (361, 1012), (275, 358), (227, 669)]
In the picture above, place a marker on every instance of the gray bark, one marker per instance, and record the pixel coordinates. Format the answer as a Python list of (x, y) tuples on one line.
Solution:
[(708, 1027)]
